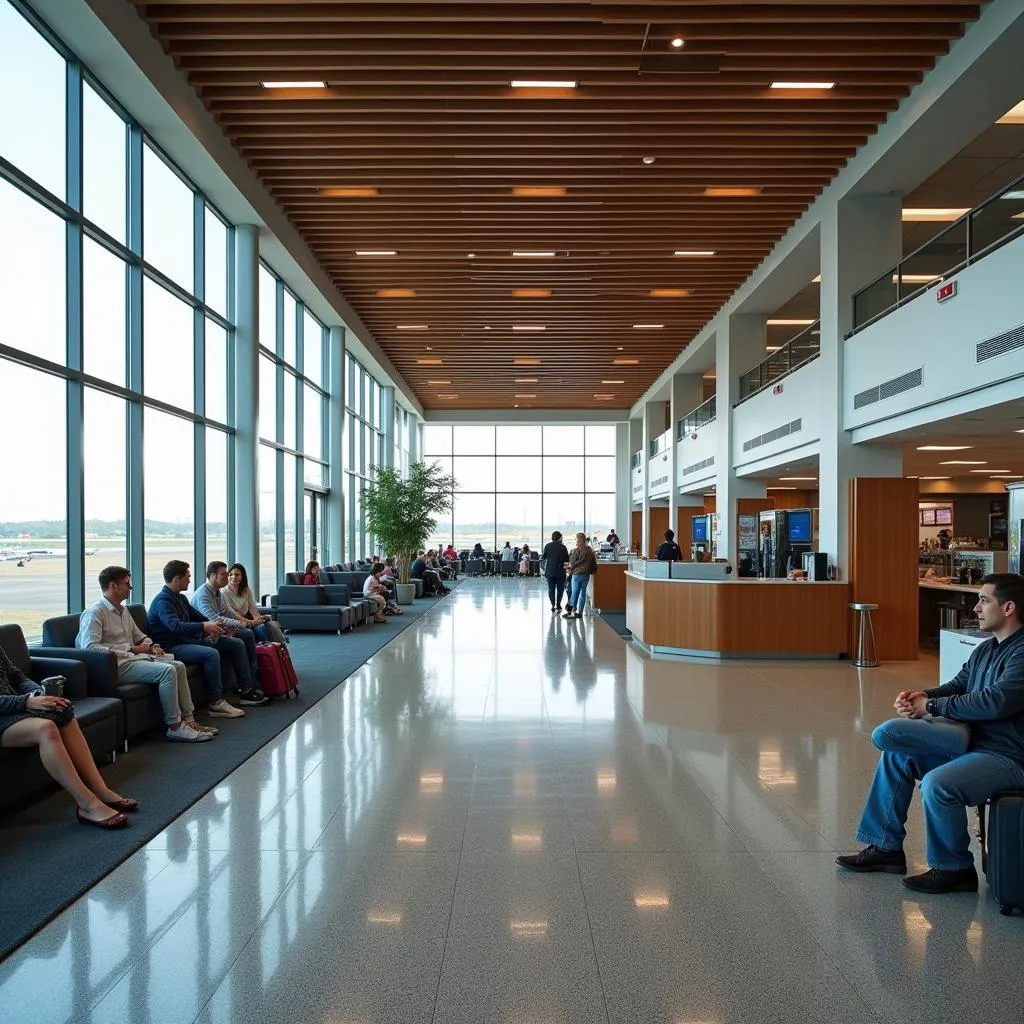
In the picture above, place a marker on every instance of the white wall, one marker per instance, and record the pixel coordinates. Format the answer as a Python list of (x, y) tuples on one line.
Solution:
[(659, 476), (637, 484), (692, 450), (940, 340), (797, 399)]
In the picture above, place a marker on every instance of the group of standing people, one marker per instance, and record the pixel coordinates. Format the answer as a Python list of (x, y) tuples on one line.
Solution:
[(564, 569)]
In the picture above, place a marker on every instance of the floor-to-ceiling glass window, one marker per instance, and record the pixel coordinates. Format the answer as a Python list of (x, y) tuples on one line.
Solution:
[(364, 430), (115, 345), (519, 483), (292, 418)]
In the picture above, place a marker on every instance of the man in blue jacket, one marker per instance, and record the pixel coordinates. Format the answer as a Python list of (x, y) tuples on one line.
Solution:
[(181, 630), (963, 741)]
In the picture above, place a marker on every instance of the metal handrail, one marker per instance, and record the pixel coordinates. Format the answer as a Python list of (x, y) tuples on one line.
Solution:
[(798, 351), (907, 290), (704, 414)]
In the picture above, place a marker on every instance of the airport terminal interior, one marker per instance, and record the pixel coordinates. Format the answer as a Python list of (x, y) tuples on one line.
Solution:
[(749, 272)]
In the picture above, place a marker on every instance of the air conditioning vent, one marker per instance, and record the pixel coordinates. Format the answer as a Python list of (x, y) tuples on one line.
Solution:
[(774, 435), (1009, 341), (687, 470), (889, 388)]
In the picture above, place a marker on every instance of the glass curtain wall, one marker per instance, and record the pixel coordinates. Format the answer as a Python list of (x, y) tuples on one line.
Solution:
[(292, 425), (519, 483), (364, 433), (115, 341)]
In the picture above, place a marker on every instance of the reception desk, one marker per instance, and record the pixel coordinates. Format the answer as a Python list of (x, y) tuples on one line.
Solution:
[(608, 587), (739, 618)]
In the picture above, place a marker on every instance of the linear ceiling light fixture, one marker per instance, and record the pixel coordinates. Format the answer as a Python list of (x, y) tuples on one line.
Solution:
[(447, 396), (526, 361), (526, 380), (936, 214), (527, 328), (531, 293), (412, 327), (647, 327), (533, 253), (287, 84), (694, 252), (613, 382), (543, 83), (1015, 115), (625, 362), (789, 323), (376, 252), (526, 396), (965, 462), (944, 447), (536, 191), (732, 191), (439, 383), (396, 293), (348, 191), (603, 397), (428, 362), (802, 85), (669, 293)]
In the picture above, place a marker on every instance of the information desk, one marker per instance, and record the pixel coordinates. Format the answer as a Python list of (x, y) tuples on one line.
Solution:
[(739, 618), (608, 587)]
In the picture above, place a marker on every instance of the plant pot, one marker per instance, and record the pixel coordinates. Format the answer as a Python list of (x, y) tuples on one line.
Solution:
[(405, 593)]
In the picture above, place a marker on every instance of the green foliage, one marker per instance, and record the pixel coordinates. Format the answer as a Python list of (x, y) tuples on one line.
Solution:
[(402, 514)]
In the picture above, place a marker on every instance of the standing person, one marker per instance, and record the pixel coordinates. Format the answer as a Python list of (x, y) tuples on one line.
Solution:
[(963, 742), (30, 718), (553, 559), (311, 574), (238, 598), (582, 565), (107, 625), (524, 561), (668, 550), (613, 538)]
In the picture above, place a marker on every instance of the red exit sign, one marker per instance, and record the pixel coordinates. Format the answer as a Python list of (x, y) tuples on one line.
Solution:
[(777, 390), (947, 291)]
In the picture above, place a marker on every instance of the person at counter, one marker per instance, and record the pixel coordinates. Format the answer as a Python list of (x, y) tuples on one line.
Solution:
[(930, 573), (612, 538), (963, 741), (668, 550)]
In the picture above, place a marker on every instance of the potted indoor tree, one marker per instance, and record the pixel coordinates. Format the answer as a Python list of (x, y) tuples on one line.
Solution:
[(402, 514)]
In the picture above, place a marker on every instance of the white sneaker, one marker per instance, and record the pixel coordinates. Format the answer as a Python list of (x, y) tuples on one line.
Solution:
[(222, 709), (186, 734)]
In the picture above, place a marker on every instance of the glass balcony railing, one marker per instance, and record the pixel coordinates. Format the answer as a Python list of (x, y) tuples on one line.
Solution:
[(791, 356), (704, 414), (659, 444), (987, 227), (637, 460)]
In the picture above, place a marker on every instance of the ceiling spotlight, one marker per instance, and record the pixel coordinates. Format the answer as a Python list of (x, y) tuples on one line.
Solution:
[(470, 255), (647, 160), (677, 42)]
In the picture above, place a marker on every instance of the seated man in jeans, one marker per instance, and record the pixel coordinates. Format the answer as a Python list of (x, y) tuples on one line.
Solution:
[(192, 639), (209, 601), (964, 743), (108, 625)]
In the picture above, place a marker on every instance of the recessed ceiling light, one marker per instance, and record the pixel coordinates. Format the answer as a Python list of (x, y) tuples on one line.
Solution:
[(625, 362), (526, 361), (470, 255), (271, 84), (1007, 476), (539, 190), (1015, 115), (531, 293), (647, 160), (526, 396), (348, 191), (447, 396), (816, 280), (669, 293), (677, 42), (529, 327), (923, 216), (428, 362), (792, 478), (412, 327), (526, 380), (396, 293), (542, 83), (533, 253), (603, 397), (732, 191), (439, 382), (802, 85), (1004, 472), (1021, 431), (943, 447), (933, 478), (964, 462), (376, 252), (694, 252), (646, 327), (613, 382), (789, 323), (781, 488)]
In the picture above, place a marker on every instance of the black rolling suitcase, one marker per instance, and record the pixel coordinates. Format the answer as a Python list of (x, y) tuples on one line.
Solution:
[(1002, 849)]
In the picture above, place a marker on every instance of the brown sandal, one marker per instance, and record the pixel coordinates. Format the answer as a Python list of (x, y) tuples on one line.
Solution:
[(117, 820), (126, 805)]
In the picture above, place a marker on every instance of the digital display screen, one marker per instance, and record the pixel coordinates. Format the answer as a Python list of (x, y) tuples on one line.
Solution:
[(798, 527), (927, 517), (943, 517), (699, 531)]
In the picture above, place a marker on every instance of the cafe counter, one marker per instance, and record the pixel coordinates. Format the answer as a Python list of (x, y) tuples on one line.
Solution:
[(738, 618)]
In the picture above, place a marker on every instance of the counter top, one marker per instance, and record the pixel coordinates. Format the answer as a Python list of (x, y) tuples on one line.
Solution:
[(962, 588), (729, 580)]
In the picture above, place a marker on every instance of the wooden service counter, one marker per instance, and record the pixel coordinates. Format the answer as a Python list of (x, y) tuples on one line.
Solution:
[(739, 618), (608, 587)]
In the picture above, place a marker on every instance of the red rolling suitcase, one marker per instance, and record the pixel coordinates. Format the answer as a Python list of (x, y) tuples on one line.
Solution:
[(277, 674), (1002, 849)]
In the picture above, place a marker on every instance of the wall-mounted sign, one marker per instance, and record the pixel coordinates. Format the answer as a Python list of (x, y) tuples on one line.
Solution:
[(947, 291), (777, 390)]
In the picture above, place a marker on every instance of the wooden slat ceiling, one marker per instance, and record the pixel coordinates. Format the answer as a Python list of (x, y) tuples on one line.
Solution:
[(419, 107)]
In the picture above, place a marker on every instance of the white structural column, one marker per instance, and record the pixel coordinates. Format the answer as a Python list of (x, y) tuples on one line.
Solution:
[(687, 394), (623, 482), (739, 346), (654, 426), (387, 417), (336, 446), (636, 444), (415, 437), (860, 238), (245, 301)]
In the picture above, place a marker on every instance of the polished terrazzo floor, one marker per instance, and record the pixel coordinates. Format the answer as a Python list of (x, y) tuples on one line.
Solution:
[(508, 817)]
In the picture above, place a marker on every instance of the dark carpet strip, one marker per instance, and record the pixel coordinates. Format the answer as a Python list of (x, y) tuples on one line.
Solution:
[(48, 860), (617, 620)]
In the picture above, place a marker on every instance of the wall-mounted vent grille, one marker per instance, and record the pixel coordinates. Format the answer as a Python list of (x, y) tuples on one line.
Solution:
[(687, 470), (773, 435), (1001, 344), (889, 388)]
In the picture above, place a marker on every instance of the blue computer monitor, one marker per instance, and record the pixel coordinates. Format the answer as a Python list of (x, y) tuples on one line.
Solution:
[(798, 526), (699, 532)]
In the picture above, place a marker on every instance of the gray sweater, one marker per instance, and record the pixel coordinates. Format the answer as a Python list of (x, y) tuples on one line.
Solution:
[(988, 695)]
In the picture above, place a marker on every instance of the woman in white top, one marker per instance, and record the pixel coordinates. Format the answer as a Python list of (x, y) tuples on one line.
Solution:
[(239, 599)]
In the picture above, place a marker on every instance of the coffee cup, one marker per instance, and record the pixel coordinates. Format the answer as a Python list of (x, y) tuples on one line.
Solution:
[(53, 686)]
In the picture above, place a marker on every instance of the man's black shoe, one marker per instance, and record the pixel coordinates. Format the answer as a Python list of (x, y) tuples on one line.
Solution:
[(871, 858), (936, 880)]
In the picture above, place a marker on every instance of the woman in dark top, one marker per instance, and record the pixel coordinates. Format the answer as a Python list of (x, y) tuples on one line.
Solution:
[(669, 550), (553, 559), (29, 718)]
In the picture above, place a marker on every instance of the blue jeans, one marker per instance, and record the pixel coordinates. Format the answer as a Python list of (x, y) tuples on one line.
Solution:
[(556, 589), (209, 659), (249, 639), (935, 753), (578, 592)]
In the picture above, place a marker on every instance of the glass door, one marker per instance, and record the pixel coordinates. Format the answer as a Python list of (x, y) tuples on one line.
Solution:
[(314, 521)]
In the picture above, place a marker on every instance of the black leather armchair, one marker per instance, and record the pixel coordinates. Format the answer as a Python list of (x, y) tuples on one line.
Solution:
[(100, 718)]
